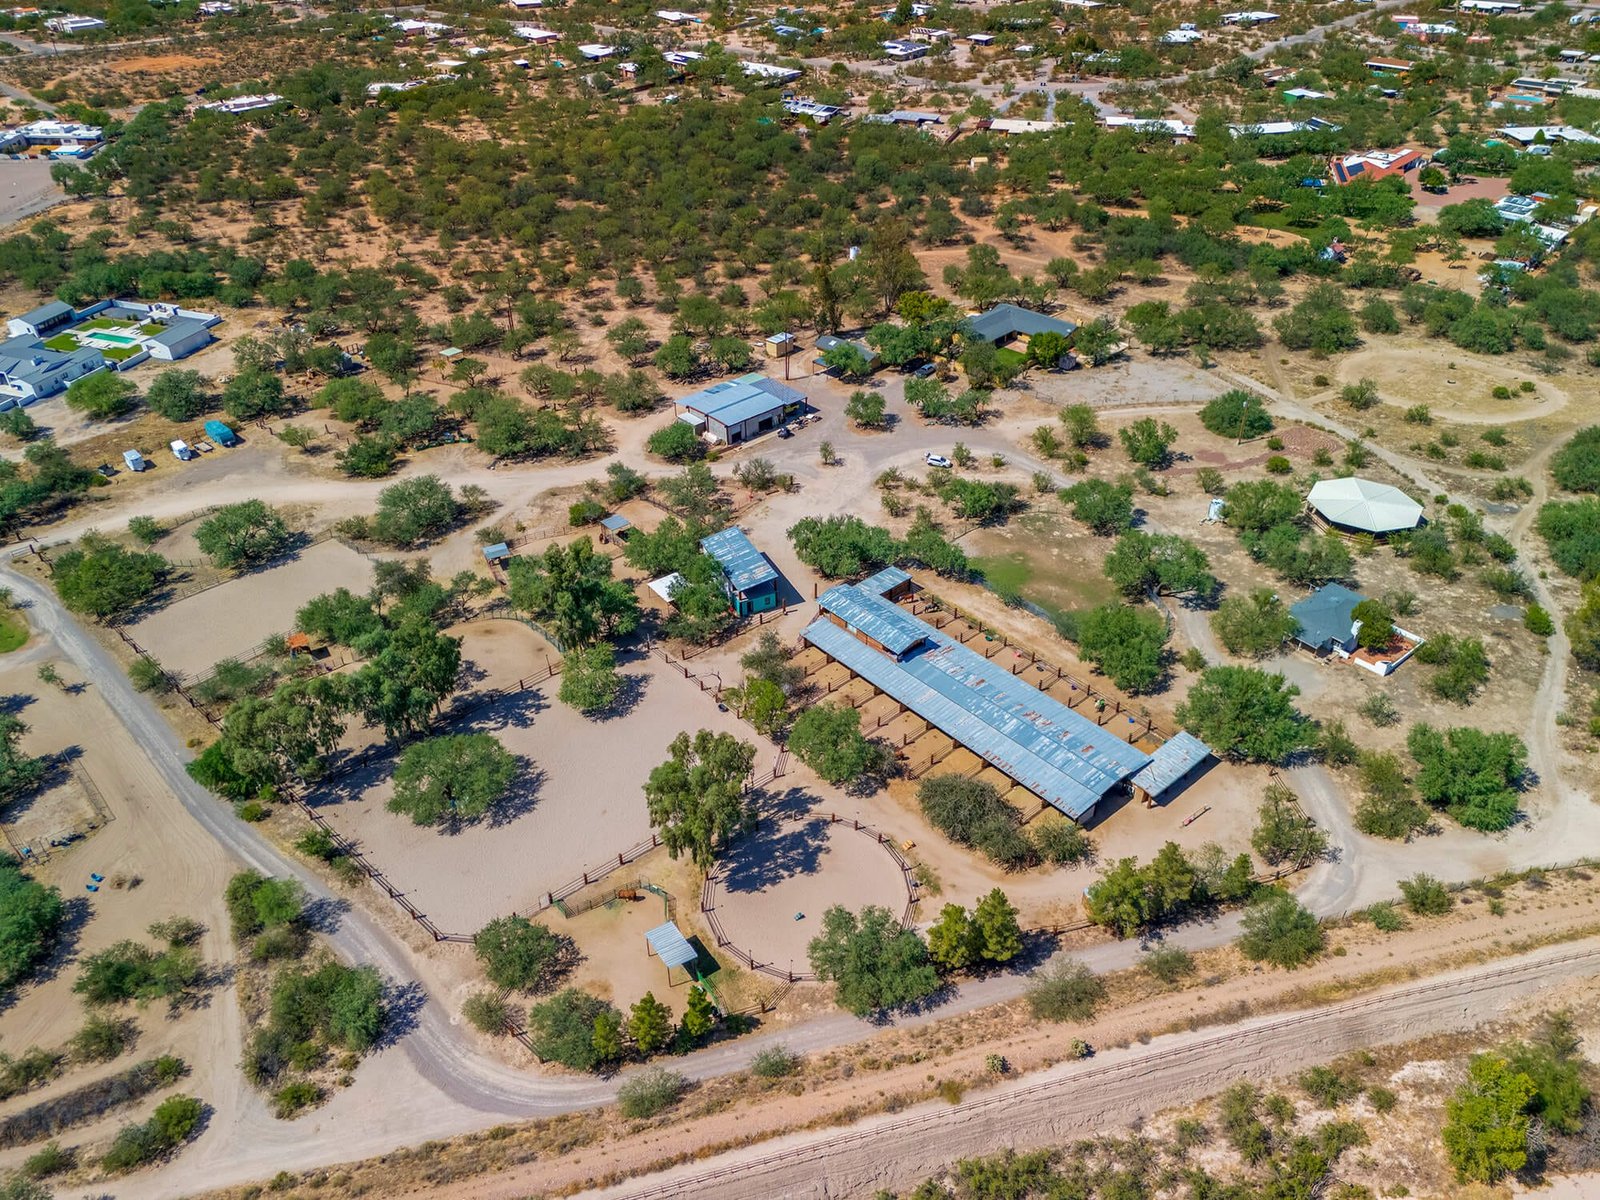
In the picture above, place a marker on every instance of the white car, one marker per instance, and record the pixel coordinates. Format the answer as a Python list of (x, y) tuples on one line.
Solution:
[(938, 460)]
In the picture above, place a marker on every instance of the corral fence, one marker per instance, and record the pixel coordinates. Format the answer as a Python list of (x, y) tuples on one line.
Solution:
[(708, 905)]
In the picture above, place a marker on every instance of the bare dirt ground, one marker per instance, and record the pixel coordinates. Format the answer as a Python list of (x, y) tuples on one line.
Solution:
[(579, 801), (191, 635), (775, 886), (1456, 386), (26, 188), (156, 864)]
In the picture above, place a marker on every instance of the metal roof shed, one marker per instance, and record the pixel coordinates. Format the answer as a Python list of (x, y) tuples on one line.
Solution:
[(743, 566), (1326, 617), (1173, 762), (869, 615), (668, 944)]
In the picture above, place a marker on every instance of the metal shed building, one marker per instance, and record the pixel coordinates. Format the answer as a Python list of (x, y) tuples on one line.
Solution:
[(1062, 757), (750, 581), (737, 410)]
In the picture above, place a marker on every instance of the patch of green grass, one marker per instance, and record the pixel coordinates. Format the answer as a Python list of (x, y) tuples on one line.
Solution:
[(13, 631), (1007, 357), (120, 353), (101, 323), (64, 342), (152, 328)]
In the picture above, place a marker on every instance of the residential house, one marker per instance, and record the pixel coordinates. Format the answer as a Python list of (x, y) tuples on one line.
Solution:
[(532, 33), (1374, 164), (67, 25), (42, 321), (1004, 322), (31, 371)]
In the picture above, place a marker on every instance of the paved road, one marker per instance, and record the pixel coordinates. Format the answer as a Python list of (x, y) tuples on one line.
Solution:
[(1118, 1087)]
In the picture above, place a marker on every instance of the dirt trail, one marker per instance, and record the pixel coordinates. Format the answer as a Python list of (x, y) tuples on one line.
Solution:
[(1116, 1087)]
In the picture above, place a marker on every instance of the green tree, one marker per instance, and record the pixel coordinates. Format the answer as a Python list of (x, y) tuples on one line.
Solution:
[(650, 1024), (1280, 931), (460, 776), (178, 395), (243, 534), (1576, 466), (1283, 833), (1237, 414), (415, 511), (1259, 505), (1164, 562), (415, 669), (570, 592), (676, 442), (1583, 626), (1377, 624), (100, 578), (866, 410), (1472, 775), (1106, 508), (1255, 625), (30, 920), (696, 798), (1121, 899), (566, 1029), (20, 773), (254, 393), (876, 963), (1246, 713), (1148, 442), (370, 457), (677, 357), (1082, 426), (589, 681), (996, 935), (519, 953), (1126, 644), (842, 547), (950, 939), (699, 1015), (606, 1040), (1486, 1122), (1321, 322), (829, 740), (102, 395)]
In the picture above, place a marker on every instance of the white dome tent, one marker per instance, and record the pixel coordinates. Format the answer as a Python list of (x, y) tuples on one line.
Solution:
[(1362, 506)]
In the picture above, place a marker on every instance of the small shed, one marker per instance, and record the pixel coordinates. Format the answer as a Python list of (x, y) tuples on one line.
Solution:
[(666, 585), (615, 528), (1175, 762), (668, 944), (498, 553), (781, 345)]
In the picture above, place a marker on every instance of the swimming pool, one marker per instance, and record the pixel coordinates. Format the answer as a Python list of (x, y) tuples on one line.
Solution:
[(116, 339)]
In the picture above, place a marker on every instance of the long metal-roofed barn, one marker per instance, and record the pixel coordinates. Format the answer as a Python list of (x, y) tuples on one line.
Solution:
[(1065, 759)]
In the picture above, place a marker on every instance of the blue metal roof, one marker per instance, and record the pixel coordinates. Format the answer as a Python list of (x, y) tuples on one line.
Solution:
[(1064, 758), (496, 552), (744, 565), (737, 400), (884, 582), (1173, 759), (1325, 615), (615, 522), (670, 945), (881, 620)]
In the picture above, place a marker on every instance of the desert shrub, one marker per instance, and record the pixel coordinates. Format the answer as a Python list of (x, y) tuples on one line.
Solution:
[(650, 1092), (563, 1028), (173, 1122), (1385, 917), (1426, 896), (102, 1038), (1064, 990), (1329, 1087), (1280, 931), (487, 1012), (1063, 842), (1169, 964), (1382, 1100), (49, 1160), (292, 1099), (774, 1063)]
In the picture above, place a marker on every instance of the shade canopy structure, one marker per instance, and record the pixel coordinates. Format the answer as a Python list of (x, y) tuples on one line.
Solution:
[(669, 945), (1364, 506)]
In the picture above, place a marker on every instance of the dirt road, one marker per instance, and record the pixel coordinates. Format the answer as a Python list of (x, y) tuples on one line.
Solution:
[(1114, 1088)]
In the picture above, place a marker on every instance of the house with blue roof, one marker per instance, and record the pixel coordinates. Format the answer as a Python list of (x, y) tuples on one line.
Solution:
[(737, 410), (1325, 619), (748, 578)]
